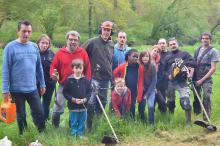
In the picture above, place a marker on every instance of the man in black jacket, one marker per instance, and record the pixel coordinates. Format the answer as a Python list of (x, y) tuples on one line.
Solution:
[(178, 82), (100, 51)]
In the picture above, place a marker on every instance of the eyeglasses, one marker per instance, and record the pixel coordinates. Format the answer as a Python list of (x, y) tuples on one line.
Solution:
[(122, 37)]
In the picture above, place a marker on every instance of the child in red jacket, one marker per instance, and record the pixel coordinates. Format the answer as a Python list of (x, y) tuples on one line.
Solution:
[(121, 98)]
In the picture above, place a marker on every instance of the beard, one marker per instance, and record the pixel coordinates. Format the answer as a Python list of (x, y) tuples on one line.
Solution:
[(72, 48)]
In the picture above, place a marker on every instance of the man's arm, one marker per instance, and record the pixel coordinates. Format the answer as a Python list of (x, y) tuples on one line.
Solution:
[(6, 73), (209, 73), (40, 74), (53, 68)]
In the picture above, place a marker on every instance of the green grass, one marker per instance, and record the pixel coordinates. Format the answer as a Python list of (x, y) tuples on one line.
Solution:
[(128, 131)]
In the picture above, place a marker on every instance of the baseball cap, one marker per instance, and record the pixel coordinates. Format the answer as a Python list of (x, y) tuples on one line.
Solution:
[(107, 24)]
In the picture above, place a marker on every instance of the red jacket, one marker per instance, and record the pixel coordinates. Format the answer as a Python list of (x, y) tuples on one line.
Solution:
[(120, 72), (62, 62), (117, 101)]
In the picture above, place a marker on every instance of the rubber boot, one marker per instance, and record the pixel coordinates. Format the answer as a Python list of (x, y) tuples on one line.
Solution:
[(188, 116), (171, 106), (196, 106), (208, 111), (56, 120)]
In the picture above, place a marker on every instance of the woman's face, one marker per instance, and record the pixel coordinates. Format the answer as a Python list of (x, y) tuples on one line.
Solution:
[(145, 59), (44, 44), (133, 58), (155, 52)]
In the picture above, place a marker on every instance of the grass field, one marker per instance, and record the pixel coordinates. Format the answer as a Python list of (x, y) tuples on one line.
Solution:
[(168, 130)]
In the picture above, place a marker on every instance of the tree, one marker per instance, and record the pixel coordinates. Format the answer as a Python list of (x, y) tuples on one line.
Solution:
[(90, 17), (48, 20)]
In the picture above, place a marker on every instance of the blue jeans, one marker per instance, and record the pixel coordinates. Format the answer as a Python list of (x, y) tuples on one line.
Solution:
[(77, 122), (150, 103), (36, 108)]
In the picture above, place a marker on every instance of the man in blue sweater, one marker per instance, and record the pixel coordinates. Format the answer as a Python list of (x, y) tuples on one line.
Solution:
[(21, 66)]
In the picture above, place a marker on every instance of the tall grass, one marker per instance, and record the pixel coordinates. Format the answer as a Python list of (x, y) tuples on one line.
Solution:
[(129, 131)]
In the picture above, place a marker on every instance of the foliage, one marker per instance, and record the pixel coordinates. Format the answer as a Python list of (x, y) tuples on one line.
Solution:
[(145, 21)]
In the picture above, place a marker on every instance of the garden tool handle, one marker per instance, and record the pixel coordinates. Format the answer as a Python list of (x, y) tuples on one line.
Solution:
[(200, 101), (113, 131)]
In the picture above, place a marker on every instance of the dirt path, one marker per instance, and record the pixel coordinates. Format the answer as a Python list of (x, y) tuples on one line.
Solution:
[(195, 136)]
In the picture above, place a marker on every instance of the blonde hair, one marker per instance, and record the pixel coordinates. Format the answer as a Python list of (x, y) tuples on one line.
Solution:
[(156, 46), (119, 80)]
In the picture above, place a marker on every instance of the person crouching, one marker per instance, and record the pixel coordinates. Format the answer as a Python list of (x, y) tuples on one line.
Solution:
[(121, 98), (77, 90)]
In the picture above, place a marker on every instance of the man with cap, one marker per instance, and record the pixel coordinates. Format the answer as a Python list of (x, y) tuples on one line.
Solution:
[(100, 51)]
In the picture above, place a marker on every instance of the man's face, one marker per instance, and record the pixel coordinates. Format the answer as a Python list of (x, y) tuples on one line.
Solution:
[(106, 32), (205, 40), (24, 33), (173, 45), (163, 44), (122, 38), (72, 42)]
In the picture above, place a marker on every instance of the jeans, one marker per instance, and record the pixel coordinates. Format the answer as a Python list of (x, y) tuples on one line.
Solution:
[(46, 99), (160, 98), (204, 91), (150, 103), (77, 122), (36, 108), (93, 103), (133, 103), (184, 94), (58, 107)]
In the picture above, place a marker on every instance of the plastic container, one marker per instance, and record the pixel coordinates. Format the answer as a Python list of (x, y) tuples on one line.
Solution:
[(8, 112), (36, 143), (5, 142)]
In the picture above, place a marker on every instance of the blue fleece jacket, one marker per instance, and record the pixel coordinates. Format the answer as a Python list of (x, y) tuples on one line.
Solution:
[(21, 66), (119, 55)]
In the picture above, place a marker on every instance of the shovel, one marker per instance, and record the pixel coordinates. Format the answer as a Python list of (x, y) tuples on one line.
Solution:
[(202, 123), (108, 140)]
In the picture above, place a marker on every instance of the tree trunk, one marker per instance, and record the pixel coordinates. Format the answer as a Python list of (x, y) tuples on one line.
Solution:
[(132, 3), (115, 3), (90, 18)]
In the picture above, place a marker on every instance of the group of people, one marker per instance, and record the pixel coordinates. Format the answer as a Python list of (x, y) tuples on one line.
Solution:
[(85, 73)]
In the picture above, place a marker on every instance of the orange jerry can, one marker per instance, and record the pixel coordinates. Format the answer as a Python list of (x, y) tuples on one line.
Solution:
[(7, 111)]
